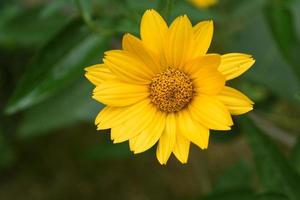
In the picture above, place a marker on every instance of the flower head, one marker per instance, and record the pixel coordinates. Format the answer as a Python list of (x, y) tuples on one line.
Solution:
[(164, 88), (203, 3)]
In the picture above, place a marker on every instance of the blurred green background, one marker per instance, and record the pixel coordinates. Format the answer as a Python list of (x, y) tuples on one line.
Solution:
[(49, 146)]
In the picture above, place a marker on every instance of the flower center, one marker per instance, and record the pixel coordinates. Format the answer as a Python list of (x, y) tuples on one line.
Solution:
[(171, 90)]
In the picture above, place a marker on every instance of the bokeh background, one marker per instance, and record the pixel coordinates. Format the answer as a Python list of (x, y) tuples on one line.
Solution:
[(49, 146)]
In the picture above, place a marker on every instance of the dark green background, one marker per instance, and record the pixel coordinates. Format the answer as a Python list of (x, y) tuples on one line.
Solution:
[(49, 146)]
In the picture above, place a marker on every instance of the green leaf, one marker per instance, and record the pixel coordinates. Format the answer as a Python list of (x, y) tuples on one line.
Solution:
[(239, 176), (85, 9), (231, 195), (140, 6), (271, 197), (72, 105), (60, 62), (108, 151), (254, 38), (275, 173), (7, 155), (295, 157), (244, 195), (280, 20), (29, 27)]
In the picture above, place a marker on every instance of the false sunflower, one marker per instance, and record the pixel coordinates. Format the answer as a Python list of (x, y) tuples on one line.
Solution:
[(165, 89), (203, 3)]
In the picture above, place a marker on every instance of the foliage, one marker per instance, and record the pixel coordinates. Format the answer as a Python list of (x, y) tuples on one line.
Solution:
[(46, 45)]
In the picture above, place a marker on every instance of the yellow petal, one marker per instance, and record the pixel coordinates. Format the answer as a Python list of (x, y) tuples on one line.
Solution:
[(127, 67), (132, 143), (150, 135), (179, 42), (135, 125), (181, 148), (207, 61), (236, 102), (167, 140), (153, 31), (203, 33), (192, 129), (136, 47), (210, 112), (234, 64), (115, 93), (207, 79), (110, 117), (212, 82), (97, 74)]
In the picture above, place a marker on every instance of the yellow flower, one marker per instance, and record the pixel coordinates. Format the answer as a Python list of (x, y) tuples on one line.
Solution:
[(165, 89), (203, 3)]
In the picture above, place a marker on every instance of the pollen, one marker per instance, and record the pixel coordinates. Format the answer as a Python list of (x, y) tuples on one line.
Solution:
[(171, 90)]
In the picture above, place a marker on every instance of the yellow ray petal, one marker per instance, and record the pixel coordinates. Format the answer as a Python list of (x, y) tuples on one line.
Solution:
[(203, 33), (212, 82), (97, 74), (210, 112), (181, 148), (209, 60), (192, 129), (135, 125), (153, 31), (127, 67), (135, 46), (150, 135), (115, 93), (236, 102), (207, 79), (234, 64), (179, 42), (110, 117), (167, 140), (132, 143)]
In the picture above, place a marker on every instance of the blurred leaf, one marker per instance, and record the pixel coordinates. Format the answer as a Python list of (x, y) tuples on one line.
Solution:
[(128, 26), (297, 96), (271, 197), (7, 155), (85, 7), (29, 27), (231, 195), (256, 92), (275, 173), (295, 157), (53, 7), (108, 151), (72, 105), (240, 176), (7, 13), (141, 6), (280, 19), (242, 8), (254, 38), (243, 195), (60, 62)]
